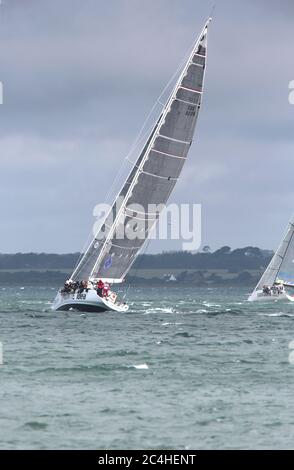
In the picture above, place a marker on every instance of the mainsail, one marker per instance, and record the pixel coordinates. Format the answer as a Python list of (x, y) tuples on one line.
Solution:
[(152, 177), (281, 267)]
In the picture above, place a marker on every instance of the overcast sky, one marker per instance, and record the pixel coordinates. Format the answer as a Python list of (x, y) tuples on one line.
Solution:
[(79, 78)]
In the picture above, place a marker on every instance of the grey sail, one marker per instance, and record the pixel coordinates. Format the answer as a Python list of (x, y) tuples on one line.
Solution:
[(152, 178), (281, 267)]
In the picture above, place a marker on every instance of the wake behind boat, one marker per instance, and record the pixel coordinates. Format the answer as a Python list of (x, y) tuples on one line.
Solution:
[(150, 183), (277, 282)]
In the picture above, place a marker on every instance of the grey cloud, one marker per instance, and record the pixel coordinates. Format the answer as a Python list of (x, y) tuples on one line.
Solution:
[(79, 78)]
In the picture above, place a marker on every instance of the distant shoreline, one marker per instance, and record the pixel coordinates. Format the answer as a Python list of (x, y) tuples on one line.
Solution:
[(209, 278), (223, 267)]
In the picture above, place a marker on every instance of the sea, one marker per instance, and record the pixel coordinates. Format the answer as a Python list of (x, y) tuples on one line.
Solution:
[(185, 368)]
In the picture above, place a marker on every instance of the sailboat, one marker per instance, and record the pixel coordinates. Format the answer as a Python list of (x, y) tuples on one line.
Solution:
[(277, 282), (151, 180)]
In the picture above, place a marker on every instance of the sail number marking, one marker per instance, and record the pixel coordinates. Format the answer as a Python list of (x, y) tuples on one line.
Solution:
[(81, 296)]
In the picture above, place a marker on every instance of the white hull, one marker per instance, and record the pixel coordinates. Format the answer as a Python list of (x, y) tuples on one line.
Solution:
[(259, 296), (86, 302)]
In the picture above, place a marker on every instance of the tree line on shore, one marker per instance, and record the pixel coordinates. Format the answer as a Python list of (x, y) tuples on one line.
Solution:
[(223, 267), (223, 258)]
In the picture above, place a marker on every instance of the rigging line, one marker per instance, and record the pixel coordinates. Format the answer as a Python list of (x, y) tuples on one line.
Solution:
[(108, 197), (173, 77), (285, 251), (84, 249), (135, 144), (146, 245), (140, 134), (170, 96), (212, 10), (143, 136), (269, 268), (199, 106), (82, 252), (177, 72), (148, 240)]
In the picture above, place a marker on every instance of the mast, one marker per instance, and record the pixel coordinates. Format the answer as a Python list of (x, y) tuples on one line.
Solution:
[(154, 174)]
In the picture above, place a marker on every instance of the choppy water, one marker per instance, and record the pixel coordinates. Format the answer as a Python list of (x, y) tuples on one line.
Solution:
[(184, 369)]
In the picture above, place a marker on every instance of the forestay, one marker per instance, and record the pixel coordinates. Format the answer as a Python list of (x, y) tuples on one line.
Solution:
[(153, 176)]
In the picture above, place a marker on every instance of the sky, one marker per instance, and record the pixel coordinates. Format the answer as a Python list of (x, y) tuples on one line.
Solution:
[(79, 78)]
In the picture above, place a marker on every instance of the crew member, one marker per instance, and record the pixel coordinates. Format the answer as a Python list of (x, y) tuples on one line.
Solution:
[(105, 291), (100, 287)]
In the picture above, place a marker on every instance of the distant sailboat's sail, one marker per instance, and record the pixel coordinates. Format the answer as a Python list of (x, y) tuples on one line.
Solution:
[(281, 267), (152, 178)]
